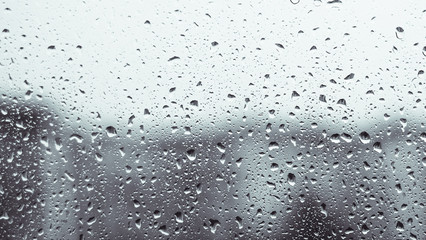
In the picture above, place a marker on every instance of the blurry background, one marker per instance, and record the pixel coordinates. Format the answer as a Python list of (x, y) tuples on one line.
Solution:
[(215, 120)]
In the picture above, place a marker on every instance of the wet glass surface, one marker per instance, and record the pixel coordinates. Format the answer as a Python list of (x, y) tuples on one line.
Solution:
[(212, 120)]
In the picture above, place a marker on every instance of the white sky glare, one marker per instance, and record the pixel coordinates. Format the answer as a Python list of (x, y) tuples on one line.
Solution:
[(123, 66)]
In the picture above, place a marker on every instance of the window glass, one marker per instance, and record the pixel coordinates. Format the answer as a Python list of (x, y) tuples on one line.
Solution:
[(212, 119)]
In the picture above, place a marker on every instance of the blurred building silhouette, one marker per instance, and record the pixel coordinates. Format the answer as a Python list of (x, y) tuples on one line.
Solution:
[(60, 180)]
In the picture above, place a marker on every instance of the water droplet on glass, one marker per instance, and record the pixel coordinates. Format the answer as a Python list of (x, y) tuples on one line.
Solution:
[(111, 131), (364, 137)]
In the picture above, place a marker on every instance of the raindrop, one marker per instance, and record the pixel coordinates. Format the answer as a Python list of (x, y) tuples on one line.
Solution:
[(111, 131), (279, 45), (221, 147), (364, 229), (58, 143), (174, 58), (157, 214), (239, 222), (350, 76), (377, 146), (194, 103), (364, 137), (273, 145), (136, 203), (323, 209), (335, 138), (346, 137), (342, 102), (91, 221), (190, 154), (130, 122), (214, 224), (179, 217), (239, 161), (291, 179), (399, 32), (77, 138), (99, 157), (163, 230), (400, 226), (294, 94)]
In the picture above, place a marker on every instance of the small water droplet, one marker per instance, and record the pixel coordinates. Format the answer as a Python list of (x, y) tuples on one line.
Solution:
[(291, 179), (190, 154), (364, 137), (111, 131)]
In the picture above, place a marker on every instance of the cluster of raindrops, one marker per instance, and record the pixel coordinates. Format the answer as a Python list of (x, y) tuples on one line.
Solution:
[(245, 122)]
